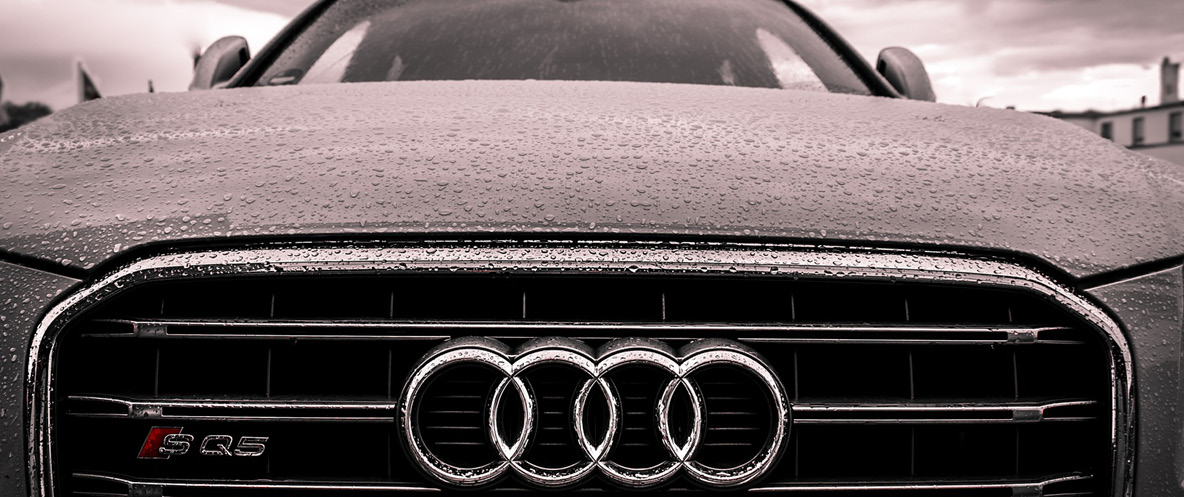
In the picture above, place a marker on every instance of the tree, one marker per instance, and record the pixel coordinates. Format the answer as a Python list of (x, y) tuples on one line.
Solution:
[(19, 115)]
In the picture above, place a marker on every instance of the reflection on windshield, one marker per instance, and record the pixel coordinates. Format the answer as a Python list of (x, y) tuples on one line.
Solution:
[(759, 43), (789, 68), (330, 67)]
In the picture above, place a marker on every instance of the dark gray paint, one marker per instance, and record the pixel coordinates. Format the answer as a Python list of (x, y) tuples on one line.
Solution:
[(602, 159), (1151, 308), (25, 294)]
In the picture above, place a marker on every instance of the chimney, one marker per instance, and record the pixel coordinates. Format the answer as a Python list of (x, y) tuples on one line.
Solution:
[(1169, 82), (3, 113)]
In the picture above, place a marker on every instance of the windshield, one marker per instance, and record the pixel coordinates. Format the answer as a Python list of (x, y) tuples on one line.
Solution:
[(758, 43)]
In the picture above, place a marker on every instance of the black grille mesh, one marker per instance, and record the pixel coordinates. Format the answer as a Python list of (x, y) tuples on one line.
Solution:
[(322, 339)]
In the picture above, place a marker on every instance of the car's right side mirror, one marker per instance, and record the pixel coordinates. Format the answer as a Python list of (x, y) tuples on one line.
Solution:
[(220, 62), (905, 72)]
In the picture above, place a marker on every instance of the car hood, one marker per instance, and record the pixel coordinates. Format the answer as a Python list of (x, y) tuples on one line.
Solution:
[(490, 159)]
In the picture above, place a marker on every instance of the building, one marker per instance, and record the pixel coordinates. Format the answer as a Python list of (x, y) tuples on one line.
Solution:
[(1157, 131)]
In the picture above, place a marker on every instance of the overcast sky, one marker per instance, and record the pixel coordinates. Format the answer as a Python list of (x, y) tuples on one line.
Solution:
[(1035, 54)]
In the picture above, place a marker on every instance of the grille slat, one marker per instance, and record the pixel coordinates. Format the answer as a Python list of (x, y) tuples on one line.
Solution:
[(929, 388), (981, 487), (406, 331), (918, 413), (253, 409)]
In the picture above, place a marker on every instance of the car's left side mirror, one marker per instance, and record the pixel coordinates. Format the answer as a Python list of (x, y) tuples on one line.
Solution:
[(905, 72), (220, 62)]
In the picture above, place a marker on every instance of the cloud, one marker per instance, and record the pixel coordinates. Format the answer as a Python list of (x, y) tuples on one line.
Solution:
[(1034, 54), (124, 43), (1080, 34), (286, 8), (1104, 17)]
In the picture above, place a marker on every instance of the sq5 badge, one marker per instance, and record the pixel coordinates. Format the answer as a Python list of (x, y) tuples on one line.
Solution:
[(164, 442)]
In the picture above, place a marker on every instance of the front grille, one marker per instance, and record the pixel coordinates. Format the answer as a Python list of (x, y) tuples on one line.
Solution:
[(895, 384)]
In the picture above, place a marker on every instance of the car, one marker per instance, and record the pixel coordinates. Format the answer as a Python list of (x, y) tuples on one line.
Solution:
[(586, 245)]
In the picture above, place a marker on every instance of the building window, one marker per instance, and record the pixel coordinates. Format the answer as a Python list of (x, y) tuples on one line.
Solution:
[(1175, 127), (1137, 131), (1108, 130)]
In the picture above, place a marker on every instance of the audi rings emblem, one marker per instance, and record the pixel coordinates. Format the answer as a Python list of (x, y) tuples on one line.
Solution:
[(508, 415)]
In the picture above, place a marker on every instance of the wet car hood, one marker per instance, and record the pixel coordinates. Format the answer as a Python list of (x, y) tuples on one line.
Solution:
[(602, 159)]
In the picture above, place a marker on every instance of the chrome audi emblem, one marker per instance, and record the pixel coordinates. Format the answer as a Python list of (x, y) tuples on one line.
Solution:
[(512, 436)]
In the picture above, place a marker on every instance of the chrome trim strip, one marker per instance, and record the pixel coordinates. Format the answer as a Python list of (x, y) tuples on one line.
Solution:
[(233, 485), (1023, 487), (372, 412), (568, 258), (762, 332), (863, 414), (803, 413)]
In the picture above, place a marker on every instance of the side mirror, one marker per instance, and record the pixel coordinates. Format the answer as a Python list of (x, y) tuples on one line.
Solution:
[(905, 72), (220, 62)]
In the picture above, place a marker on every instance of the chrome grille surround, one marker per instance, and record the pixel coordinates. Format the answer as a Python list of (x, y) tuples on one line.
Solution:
[(791, 261)]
